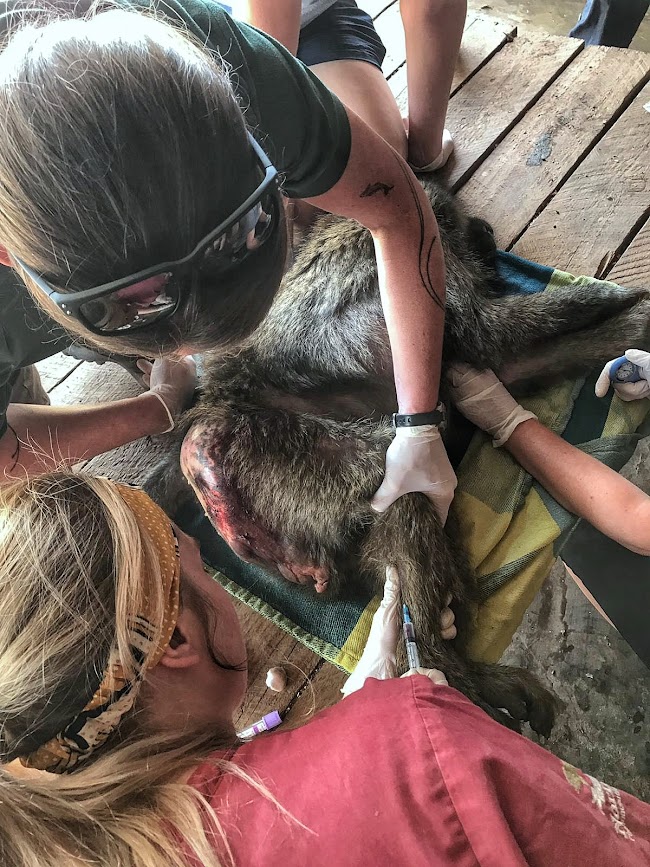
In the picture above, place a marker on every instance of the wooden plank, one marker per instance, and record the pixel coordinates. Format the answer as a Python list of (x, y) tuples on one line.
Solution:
[(55, 369), (499, 85), (132, 462), (633, 268), (599, 207), (482, 38), (94, 383), (322, 690), (268, 646), (604, 688), (534, 159)]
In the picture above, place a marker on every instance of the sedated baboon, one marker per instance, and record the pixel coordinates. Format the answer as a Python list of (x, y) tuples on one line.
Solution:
[(287, 442)]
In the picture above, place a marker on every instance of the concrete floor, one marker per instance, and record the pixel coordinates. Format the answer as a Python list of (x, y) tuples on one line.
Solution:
[(554, 16), (604, 727)]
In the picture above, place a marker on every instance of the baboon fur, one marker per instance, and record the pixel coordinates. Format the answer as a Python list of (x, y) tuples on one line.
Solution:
[(286, 444)]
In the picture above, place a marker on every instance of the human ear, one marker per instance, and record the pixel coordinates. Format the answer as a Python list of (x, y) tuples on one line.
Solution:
[(4, 257), (182, 649)]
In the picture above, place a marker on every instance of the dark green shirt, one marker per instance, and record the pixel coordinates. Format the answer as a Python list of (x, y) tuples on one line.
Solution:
[(302, 126)]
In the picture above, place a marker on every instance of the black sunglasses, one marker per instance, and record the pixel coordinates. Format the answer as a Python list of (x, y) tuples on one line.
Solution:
[(150, 296)]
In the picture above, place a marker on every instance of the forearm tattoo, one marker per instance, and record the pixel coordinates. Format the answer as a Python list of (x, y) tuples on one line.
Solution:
[(424, 255), (371, 189)]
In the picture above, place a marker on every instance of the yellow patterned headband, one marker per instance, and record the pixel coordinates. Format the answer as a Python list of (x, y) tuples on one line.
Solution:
[(116, 693)]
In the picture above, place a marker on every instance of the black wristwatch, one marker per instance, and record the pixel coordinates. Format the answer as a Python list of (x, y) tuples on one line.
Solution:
[(437, 417)]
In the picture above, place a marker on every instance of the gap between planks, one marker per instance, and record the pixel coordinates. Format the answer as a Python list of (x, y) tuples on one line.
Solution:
[(633, 267), (55, 369)]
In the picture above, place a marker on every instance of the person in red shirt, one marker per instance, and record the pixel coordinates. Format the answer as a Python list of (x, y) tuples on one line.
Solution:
[(122, 665)]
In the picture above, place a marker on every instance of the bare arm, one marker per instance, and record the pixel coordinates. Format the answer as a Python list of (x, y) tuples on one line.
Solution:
[(279, 18), (583, 485), (379, 191), (578, 482), (40, 438)]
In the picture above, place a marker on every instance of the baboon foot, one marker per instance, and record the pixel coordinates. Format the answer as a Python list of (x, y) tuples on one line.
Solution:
[(480, 237), (516, 695)]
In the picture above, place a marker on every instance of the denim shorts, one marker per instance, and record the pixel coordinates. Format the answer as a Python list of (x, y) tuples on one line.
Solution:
[(342, 32)]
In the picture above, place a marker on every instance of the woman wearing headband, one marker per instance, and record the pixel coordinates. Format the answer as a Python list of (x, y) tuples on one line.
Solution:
[(121, 666), (140, 165)]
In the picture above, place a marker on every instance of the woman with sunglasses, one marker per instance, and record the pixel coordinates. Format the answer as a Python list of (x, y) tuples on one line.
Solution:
[(139, 202), (122, 666)]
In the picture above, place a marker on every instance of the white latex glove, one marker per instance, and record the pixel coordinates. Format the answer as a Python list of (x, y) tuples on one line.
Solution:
[(627, 390), (485, 401), (172, 381), (378, 657), (416, 460)]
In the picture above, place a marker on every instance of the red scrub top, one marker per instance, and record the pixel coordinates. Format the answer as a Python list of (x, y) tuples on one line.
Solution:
[(405, 772)]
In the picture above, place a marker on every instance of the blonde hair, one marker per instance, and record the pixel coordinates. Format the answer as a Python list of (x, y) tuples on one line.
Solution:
[(71, 558), (122, 144)]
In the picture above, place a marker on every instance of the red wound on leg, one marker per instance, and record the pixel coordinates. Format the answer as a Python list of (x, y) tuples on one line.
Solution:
[(202, 462)]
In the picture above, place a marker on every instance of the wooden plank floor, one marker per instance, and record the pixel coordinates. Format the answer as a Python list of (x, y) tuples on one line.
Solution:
[(552, 148)]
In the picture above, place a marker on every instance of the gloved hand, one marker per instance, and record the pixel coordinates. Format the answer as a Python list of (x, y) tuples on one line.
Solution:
[(485, 401), (416, 460), (172, 381), (378, 657), (627, 390)]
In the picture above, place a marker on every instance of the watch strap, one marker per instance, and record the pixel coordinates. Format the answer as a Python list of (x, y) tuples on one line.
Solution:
[(415, 419)]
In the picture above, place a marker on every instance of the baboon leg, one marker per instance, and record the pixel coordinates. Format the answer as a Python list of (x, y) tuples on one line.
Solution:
[(409, 536), (580, 352), (517, 691), (481, 240), (499, 330), (292, 492)]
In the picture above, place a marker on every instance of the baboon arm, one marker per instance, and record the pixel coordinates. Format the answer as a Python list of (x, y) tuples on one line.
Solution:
[(584, 485)]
